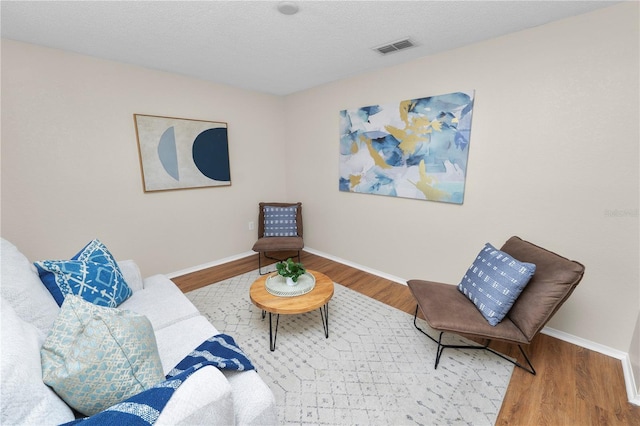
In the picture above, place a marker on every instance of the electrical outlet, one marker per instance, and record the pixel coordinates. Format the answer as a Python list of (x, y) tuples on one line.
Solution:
[(251, 226)]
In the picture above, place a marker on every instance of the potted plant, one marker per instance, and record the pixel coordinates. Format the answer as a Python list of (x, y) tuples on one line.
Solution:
[(290, 270)]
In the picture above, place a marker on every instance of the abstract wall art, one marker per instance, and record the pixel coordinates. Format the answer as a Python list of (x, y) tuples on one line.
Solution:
[(416, 148), (179, 153)]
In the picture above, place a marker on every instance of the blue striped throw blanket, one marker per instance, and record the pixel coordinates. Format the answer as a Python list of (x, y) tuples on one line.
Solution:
[(144, 408)]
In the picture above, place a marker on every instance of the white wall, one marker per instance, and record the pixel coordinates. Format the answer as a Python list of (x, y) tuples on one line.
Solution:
[(553, 158), (71, 172)]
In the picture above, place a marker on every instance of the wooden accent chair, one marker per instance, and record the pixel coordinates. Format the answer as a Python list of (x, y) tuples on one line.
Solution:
[(273, 237), (446, 309)]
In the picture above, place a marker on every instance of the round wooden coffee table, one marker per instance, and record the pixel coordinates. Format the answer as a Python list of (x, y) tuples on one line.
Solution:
[(318, 298)]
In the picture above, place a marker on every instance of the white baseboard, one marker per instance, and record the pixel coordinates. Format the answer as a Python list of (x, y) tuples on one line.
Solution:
[(357, 266), (630, 383), (632, 386), (310, 250), (210, 264)]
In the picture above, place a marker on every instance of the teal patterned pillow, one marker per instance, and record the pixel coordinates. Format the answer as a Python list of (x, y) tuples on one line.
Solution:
[(95, 357), (280, 221), (92, 274)]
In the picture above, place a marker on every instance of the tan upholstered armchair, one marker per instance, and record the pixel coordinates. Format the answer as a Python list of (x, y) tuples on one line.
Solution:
[(446, 309), (279, 230)]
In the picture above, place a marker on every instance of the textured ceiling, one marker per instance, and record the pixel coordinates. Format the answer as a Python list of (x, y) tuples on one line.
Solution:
[(249, 44)]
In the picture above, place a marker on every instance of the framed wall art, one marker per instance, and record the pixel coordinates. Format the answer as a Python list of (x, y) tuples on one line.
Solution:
[(416, 148), (180, 153)]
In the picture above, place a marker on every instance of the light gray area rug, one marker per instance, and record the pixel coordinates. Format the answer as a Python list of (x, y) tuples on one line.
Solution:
[(374, 369)]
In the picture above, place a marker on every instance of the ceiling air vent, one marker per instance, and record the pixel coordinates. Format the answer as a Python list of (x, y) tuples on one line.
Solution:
[(394, 47)]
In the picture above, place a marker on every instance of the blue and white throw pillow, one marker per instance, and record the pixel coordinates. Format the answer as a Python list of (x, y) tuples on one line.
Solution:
[(280, 221), (494, 281), (92, 274)]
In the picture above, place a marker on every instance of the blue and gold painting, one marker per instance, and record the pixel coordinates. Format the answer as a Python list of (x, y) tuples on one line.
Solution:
[(179, 153), (416, 148)]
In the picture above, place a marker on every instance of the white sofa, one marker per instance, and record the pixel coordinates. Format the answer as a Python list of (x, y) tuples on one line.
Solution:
[(209, 396)]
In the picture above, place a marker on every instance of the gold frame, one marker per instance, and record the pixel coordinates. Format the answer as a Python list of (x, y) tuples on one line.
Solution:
[(182, 153)]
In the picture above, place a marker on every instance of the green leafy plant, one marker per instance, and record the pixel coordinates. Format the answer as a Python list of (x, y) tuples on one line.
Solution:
[(291, 269)]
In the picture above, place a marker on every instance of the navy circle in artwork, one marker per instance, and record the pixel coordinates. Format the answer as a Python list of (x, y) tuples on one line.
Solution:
[(211, 154)]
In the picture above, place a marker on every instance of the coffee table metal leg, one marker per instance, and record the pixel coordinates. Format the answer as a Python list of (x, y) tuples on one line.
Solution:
[(273, 334), (324, 314)]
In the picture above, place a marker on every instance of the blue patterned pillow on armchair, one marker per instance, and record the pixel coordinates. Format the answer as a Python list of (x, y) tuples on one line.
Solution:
[(494, 281), (92, 274), (280, 221)]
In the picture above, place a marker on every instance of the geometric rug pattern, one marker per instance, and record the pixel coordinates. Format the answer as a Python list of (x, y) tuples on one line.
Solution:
[(374, 369)]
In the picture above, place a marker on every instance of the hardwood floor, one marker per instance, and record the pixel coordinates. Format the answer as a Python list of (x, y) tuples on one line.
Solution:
[(573, 385)]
